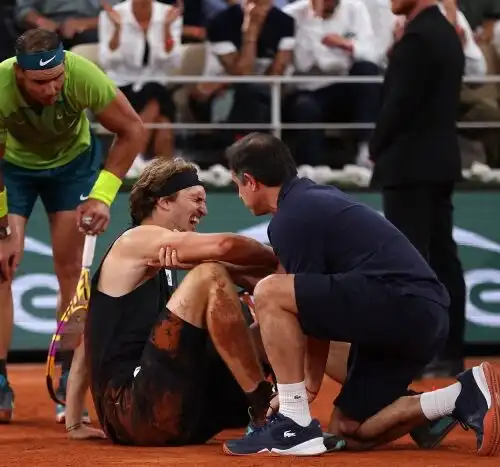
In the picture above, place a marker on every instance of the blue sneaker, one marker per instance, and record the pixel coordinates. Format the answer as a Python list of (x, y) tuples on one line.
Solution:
[(61, 409), (6, 400), (478, 406), (281, 436)]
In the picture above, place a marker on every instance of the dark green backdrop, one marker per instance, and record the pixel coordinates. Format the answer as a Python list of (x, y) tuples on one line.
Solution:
[(477, 230)]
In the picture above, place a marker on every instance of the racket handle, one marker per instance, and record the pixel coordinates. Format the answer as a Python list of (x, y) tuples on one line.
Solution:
[(88, 250)]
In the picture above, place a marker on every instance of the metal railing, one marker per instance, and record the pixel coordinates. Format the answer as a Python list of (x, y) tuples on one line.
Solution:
[(276, 83)]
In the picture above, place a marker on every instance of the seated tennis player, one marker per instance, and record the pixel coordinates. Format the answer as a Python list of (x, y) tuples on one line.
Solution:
[(171, 365)]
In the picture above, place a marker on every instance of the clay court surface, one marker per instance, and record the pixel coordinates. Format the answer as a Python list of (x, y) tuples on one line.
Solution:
[(34, 439)]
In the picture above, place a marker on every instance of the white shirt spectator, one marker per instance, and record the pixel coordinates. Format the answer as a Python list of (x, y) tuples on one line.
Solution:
[(475, 63), (382, 19), (349, 20), (125, 65)]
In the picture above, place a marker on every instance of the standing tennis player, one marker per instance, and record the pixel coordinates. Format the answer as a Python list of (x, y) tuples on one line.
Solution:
[(47, 151)]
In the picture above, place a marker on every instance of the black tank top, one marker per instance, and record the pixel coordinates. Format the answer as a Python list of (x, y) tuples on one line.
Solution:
[(117, 328)]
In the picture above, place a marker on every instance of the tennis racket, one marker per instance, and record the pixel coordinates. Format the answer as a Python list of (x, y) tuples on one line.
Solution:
[(70, 328)]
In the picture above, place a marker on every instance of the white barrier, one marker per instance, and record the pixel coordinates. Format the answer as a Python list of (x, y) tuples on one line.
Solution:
[(276, 82)]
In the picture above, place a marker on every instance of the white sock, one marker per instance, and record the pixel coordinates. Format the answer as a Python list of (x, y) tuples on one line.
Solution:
[(437, 404), (293, 402)]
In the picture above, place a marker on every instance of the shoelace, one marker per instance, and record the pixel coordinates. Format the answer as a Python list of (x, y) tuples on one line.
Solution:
[(269, 421)]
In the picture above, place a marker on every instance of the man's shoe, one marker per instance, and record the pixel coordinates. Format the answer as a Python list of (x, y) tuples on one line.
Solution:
[(334, 443), (279, 436), (428, 436), (6, 400), (478, 406)]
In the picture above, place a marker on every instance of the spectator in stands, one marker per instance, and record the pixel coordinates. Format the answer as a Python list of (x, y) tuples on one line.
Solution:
[(382, 20), (473, 107), (75, 20), (334, 37), (193, 20), (213, 7), (7, 29), (139, 48), (251, 38), (482, 16)]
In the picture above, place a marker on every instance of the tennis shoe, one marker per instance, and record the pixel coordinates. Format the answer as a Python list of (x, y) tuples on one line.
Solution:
[(478, 406), (279, 436), (6, 400)]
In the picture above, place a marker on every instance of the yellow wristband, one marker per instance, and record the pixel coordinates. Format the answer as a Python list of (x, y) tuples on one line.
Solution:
[(4, 210), (106, 187)]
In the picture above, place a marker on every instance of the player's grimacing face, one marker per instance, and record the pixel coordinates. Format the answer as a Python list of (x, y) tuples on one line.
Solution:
[(189, 207), (42, 86)]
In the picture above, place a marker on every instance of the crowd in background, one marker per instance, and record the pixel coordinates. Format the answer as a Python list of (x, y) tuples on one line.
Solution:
[(141, 43)]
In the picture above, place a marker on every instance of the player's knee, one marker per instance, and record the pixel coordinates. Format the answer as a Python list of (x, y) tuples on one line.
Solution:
[(210, 273), (348, 427), (265, 290), (67, 270)]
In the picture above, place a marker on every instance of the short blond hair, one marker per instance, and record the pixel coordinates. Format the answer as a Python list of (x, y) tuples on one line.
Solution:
[(143, 195)]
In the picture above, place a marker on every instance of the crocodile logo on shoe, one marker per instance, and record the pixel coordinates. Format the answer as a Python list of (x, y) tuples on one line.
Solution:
[(288, 434)]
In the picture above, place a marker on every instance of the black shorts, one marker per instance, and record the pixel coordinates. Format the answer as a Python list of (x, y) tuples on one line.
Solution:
[(182, 392), (151, 92), (393, 336)]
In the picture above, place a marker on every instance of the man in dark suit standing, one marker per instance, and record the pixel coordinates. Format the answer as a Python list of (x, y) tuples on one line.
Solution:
[(416, 153)]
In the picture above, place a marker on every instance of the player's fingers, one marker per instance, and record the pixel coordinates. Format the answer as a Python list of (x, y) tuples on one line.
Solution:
[(86, 221), (161, 257), (105, 224), (175, 261), (168, 257), (98, 225)]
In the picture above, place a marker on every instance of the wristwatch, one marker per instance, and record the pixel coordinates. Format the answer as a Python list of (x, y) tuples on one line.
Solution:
[(5, 232)]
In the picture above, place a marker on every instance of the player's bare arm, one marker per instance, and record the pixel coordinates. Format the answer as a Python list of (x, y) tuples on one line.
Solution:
[(9, 250), (78, 383), (246, 277), (145, 241), (138, 248), (119, 118)]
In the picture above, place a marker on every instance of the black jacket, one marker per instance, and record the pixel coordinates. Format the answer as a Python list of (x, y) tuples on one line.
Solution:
[(415, 140)]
